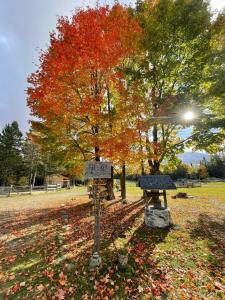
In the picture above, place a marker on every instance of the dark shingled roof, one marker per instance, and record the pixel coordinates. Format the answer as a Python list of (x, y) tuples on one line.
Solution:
[(156, 182)]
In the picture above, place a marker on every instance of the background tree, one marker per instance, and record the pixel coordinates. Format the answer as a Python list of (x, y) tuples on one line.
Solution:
[(202, 171), (181, 170), (211, 130), (171, 67), (56, 151), (10, 154), (216, 166), (33, 160)]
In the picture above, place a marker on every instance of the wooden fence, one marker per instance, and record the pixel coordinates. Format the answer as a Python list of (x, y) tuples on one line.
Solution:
[(28, 189), (188, 184)]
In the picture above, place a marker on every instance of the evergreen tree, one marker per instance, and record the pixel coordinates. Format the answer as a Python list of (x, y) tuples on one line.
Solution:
[(10, 153), (216, 166)]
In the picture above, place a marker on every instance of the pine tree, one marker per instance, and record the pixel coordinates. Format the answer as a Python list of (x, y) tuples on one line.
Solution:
[(10, 153)]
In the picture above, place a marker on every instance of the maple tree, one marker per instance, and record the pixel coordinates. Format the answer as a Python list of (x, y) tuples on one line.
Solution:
[(210, 133), (74, 90), (78, 69), (170, 69)]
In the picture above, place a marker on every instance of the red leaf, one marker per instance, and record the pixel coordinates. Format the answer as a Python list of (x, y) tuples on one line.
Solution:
[(15, 288), (62, 279)]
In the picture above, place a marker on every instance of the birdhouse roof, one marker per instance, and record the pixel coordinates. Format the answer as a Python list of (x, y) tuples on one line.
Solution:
[(156, 182)]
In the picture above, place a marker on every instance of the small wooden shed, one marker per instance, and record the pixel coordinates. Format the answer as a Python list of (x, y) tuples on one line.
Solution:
[(64, 181)]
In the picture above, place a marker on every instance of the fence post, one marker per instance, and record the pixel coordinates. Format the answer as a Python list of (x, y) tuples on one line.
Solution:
[(31, 189), (10, 190)]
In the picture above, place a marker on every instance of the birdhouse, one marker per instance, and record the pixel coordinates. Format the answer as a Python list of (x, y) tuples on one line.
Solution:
[(152, 185)]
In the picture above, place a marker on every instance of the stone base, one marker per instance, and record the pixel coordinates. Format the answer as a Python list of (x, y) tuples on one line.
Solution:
[(69, 267), (123, 259), (95, 261), (157, 218)]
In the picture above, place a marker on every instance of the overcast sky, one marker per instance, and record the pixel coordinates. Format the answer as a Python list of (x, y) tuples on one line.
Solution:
[(24, 27)]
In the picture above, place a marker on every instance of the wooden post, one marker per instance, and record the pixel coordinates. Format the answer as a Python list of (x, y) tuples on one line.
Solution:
[(165, 200), (95, 260), (10, 190), (100, 172), (97, 220)]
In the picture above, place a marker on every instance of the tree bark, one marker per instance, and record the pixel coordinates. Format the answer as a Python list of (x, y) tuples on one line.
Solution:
[(142, 168), (123, 182), (31, 176), (97, 157), (110, 185), (96, 208), (112, 173), (34, 177), (96, 196), (155, 163)]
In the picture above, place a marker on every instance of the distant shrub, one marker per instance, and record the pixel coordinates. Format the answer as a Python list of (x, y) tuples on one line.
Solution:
[(23, 181)]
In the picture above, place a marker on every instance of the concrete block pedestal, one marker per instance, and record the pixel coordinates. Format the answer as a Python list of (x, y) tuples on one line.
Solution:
[(95, 261), (157, 218)]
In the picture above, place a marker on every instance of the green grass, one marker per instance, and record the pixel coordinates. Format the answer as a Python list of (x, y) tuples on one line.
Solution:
[(186, 262), (214, 190)]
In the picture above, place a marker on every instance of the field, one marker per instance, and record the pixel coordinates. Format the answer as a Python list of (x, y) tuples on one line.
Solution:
[(42, 257)]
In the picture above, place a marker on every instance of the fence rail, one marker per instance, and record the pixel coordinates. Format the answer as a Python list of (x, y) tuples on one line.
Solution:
[(188, 184), (20, 189), (53, 187), (5, 190), (28, 189)]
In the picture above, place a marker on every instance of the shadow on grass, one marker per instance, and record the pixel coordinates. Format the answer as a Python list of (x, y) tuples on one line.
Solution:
[(212, 231), (19, 220), (41, 228), (142, 276), (37, 263)]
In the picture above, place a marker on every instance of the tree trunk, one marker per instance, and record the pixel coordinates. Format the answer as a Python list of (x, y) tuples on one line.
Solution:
[(31, 176), (34, 177), (123, 182), (143, 173), (112, 180), (97, 157), (45, 175), (96, 200), (110, 185), (155, 163), (142, 168)]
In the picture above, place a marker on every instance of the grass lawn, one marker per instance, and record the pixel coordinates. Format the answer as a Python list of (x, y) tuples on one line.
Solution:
[(41, 257)]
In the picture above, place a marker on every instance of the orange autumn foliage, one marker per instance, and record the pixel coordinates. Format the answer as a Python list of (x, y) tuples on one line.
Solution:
[(78, 69), (95, 40)]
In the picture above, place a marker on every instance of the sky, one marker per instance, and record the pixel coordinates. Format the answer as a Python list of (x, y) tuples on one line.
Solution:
[(24, 28)]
